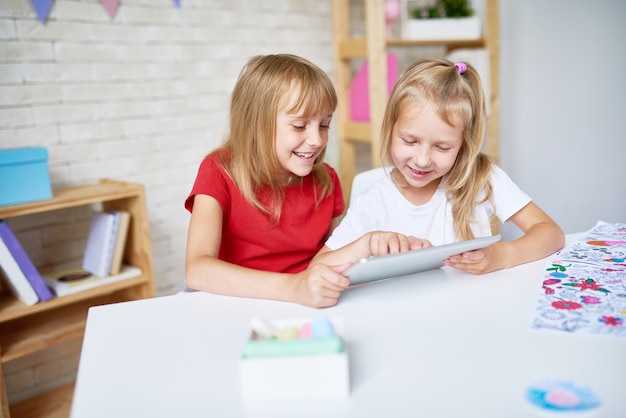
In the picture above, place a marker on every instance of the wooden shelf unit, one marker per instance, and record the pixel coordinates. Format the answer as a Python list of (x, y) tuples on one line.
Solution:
[(373, 47), (27, 329)]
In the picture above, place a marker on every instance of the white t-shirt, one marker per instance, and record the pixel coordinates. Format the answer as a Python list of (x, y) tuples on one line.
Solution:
[(383, 208)]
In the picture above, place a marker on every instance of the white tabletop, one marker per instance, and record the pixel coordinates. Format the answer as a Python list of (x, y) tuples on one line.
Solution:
[(438, 344)]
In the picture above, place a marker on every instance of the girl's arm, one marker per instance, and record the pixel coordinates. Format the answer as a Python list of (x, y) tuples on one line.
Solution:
[(373, 243), (317, 286), (542, 237)]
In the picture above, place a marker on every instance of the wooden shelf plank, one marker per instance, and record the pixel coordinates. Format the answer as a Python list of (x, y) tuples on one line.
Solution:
[(56, 403), (352, 48), (4, 401), (356, 131), (448, 43), (32, 333), (11, 308), (74, 196), (357, 47)]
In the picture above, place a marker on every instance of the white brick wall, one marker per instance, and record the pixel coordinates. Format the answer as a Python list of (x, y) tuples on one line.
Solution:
[(141, 98)]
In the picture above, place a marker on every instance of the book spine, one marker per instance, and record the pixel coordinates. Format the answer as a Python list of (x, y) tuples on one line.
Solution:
[(110, 245), (24, 262), (120, 242), (15, 277), (99, 251)]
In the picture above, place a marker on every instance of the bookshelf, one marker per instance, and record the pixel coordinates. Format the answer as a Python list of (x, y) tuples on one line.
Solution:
[(374, 47), (25, 329)]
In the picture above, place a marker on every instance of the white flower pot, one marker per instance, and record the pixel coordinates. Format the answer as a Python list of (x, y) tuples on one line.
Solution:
[(443, 29)]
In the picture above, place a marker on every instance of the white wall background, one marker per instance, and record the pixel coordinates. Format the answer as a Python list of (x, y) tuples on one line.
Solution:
[(144, 97), (563, 90)]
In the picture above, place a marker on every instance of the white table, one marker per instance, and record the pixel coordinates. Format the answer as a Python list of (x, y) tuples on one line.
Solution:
[(438, 344)]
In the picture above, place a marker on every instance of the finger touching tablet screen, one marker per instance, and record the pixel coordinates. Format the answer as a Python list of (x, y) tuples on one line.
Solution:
[(410, 262)]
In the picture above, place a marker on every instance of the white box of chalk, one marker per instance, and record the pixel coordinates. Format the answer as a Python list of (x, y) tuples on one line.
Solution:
[(311, 363)]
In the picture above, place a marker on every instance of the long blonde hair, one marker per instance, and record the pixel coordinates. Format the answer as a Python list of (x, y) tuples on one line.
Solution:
[(456, 96), (251, 160)]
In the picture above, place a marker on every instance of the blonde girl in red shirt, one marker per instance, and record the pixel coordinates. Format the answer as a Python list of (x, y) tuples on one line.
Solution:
[(263, 204)]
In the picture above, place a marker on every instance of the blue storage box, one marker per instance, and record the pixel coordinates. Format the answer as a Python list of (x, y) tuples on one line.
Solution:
[(24, 175)]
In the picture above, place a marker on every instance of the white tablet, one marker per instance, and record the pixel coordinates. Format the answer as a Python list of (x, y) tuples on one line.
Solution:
[(392, 265)]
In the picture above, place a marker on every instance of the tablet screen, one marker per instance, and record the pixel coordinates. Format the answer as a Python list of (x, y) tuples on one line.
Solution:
[(392, 265)]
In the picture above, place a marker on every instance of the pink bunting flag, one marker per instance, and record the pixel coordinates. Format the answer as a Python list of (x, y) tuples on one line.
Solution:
[(110, 6), (42, 7)]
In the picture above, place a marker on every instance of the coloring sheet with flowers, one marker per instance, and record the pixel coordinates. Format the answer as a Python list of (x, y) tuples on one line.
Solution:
[(584, 285)]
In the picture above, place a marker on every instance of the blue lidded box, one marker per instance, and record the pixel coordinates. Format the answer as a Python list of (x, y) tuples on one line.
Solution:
[(24, 175)]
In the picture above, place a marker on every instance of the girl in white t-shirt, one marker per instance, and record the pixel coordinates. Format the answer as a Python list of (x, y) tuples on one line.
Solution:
[(440, 188)]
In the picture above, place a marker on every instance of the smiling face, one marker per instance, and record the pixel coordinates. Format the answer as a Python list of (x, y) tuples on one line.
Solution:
[(423, 149), (300, 139)]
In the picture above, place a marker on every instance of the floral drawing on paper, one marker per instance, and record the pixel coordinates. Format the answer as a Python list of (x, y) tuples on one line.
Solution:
[(583, 289)]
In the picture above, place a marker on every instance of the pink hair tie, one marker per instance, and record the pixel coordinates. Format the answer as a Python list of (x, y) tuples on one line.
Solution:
[(461, 67)]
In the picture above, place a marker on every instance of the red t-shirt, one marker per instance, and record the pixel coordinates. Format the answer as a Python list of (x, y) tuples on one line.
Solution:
[(251, 239)]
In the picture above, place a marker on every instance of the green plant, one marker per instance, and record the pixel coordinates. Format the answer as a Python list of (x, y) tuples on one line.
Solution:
[(444, 8)]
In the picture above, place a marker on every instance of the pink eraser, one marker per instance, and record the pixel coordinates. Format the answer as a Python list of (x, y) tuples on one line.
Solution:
[(306, 331)]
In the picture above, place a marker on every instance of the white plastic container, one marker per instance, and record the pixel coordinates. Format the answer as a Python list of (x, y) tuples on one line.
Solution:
[(315, 376)]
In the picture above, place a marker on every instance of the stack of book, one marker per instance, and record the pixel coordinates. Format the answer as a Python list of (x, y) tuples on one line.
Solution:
[(102, 262), (20, 275), (66, 281), (105, 245)]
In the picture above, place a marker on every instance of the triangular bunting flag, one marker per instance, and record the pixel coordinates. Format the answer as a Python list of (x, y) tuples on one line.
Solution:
[(110, 6), (177, 3), (42, 7)]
